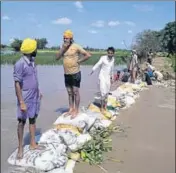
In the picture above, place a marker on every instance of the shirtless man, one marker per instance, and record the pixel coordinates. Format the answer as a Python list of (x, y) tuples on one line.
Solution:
[(106, 64), (70, 52)]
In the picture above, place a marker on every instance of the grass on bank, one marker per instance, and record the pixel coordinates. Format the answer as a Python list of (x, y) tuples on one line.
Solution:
[(173, 61), (48, 58)]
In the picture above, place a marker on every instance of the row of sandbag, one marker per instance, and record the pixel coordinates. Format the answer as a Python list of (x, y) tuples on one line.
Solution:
[(71, 134)]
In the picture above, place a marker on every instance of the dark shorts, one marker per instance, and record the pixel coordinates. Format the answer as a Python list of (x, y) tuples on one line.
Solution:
[(73, 80), (31, 120)]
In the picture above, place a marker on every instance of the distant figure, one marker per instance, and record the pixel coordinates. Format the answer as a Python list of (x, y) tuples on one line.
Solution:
[(150, 57), (27, 92), (126, 75), (106, 64), (133, 67), (71, 52)]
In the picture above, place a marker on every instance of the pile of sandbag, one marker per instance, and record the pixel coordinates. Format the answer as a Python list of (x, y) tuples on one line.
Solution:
[(127, 93), (52, 156), (69, 135), (167, 83)]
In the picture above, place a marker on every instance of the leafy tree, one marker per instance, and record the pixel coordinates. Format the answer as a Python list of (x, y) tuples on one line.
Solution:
[(3, 46), (168, 37), (55, 47), (148, 39), (41, 43), (16, 44)]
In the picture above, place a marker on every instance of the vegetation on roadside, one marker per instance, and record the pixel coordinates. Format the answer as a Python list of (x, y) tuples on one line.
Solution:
[(48, 58), (100, 143), (173, 61), (163, 41)]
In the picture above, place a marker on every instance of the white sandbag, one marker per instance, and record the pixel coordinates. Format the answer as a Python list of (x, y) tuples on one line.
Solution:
[(118, 92), (53, 156), (68, 169), (129, 101), (82, 121), (81, 140), (68, 137), (102, 124), (97, 115), (50, 136)]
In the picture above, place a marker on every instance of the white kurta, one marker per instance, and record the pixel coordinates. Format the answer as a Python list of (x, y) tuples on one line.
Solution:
[(106, 72)]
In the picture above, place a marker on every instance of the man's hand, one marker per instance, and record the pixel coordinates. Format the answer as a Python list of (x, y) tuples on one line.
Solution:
[(65, 46), (23, 106)]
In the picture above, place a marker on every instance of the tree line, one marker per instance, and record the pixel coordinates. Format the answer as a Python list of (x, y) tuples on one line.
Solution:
[(159, 41)]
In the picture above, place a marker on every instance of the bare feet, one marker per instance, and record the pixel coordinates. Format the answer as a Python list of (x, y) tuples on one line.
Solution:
[(69, 112), (19, 154), (36, 147), (74, 114)]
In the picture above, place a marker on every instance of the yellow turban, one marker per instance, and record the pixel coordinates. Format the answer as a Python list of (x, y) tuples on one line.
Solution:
[(28, 46), (68, 34)]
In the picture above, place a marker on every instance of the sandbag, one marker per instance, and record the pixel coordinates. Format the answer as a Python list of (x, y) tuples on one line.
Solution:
[(50, 136), (53, 156), (102, 124), (80, 141), (68, 168), (129, 101), (81, 121), (112, 101)]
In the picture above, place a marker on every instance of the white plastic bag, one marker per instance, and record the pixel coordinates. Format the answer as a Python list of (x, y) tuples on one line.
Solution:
[(53, 156), (81, 140), (81, 121), (50, 136)]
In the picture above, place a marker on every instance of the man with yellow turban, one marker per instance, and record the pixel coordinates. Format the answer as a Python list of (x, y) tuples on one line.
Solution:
[(71, 52), (27, 92)]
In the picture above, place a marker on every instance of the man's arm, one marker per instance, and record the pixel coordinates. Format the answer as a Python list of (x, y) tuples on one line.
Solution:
[(18, 92), (97, 65), (18, 78), (59, 54), (86, 55)]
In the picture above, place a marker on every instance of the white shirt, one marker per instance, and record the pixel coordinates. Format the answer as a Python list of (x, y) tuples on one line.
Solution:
[(106, 66), (151, 67)]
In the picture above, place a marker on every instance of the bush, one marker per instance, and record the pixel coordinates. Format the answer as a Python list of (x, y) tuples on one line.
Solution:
[(173, 57)]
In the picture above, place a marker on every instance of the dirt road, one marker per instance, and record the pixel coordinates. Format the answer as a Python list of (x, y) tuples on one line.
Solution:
[(150, 143)]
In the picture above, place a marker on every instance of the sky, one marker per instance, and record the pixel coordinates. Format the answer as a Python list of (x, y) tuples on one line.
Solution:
[(97, 24)]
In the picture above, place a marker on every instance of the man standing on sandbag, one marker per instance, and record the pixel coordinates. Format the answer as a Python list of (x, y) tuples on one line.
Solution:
[(27, 92), (106, 64), (133, 67), (71, 62)]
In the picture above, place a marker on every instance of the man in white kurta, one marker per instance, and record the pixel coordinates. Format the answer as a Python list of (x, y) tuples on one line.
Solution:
[(106, 65)]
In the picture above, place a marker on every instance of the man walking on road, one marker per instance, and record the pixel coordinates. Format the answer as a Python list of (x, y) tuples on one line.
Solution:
[(27, 92), (70, 52), (106, 64)]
